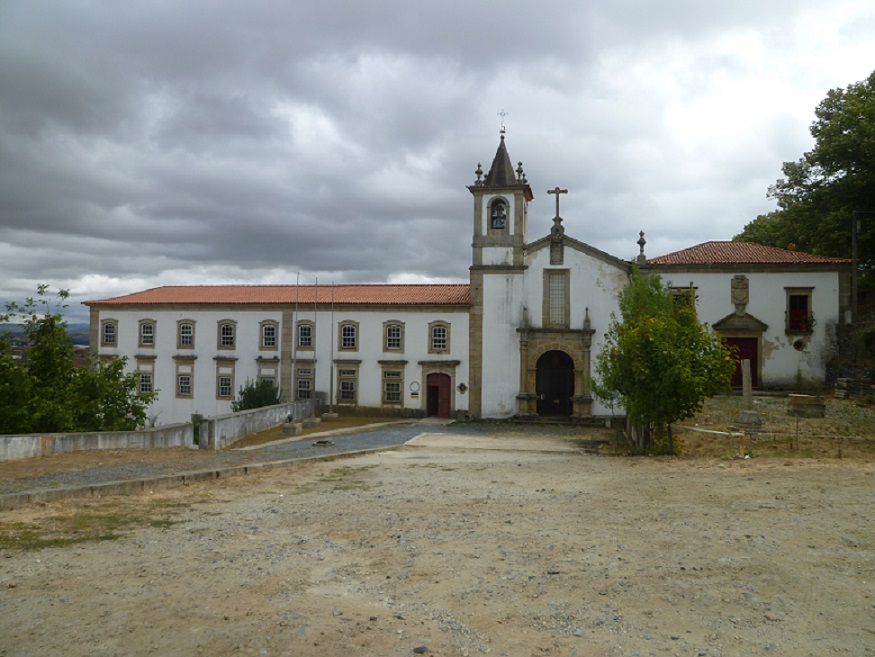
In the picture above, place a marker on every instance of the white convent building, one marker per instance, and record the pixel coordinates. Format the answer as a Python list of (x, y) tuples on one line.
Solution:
[(519, 340)]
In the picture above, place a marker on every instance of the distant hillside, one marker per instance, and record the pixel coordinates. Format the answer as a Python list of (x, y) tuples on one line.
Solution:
[(78, 332)]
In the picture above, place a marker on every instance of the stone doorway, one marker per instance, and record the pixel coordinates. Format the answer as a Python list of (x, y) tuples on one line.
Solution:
[(437, 390), (555, 384)]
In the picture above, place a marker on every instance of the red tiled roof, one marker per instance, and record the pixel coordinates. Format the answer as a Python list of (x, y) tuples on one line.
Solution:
[(403, 295), (746, 253)]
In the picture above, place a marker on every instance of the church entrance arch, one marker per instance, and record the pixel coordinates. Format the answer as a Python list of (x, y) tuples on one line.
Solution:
[(437, 390), (555, 384)]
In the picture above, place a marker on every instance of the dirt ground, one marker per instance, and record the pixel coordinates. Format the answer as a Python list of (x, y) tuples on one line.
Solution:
[(440, 548)]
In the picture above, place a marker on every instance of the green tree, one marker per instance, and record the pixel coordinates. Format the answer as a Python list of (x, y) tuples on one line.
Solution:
[(819, 192), (255, 395), (659, 362), (48, 393)]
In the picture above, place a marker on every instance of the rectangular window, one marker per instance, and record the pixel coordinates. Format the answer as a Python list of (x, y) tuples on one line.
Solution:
[(799, 316), (268, 335), (558, 292), (145, 383), (347, 385), (439, 338), (183, 385), (392, 382), (304, 386), (226, 335), (225, 387), (393, 337), (110, 333), (347, 391), (347, 336), (147, 334), (185, 338), (305, 336)]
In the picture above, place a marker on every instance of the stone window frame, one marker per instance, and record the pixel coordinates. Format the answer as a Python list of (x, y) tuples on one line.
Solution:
[(184, 385), (226, 334), (147, 330), (225, 391), (347, 383), (264, 343), (146, 385), (311, 326), (347, 335), (792, 325), (392, 375), (387, 326), (433, 340), (547, 315), (108, 326), (304, 375), (184, 368), (184, 340)]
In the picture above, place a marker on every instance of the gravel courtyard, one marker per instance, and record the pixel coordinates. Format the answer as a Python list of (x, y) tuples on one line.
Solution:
[(441, 550)]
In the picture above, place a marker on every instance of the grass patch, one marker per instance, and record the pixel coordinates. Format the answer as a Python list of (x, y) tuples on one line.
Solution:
[(93, 522)]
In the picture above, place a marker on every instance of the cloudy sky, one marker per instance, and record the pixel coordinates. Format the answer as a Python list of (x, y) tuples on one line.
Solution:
[(218, 141)]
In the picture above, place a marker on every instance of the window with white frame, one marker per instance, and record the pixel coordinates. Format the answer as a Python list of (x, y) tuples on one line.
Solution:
[(304, 382), (347, 385), (227, 336), (109, 333), (185, 334), (147, 333), (393, 333), (348, 336), (184, 377), (145, 383), (225, 387), (393, 382), (225, 370), (306, 333), (438, 337), (269, 333)]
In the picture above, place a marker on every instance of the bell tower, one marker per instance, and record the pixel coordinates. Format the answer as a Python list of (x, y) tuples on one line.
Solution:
[(501, 201), (500, 212)]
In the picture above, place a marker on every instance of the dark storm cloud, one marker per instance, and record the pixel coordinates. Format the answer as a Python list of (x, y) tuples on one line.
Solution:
[(207, 142)]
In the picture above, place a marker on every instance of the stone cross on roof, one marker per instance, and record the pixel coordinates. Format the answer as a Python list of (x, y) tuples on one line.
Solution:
[(557, 192)]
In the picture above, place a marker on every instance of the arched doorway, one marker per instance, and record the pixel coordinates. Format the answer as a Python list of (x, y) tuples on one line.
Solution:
[(555, 384), (438, 388)]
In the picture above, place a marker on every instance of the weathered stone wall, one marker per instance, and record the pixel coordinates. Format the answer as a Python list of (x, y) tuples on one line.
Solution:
[(33, 445)]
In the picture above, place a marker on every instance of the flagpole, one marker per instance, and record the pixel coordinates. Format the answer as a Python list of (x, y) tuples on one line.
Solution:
[(295, 340), (313, 340), (331, 364)]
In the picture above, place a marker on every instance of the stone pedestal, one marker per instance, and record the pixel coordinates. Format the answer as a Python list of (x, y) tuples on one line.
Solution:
[(311, 422), (330, 417), (292, 428)]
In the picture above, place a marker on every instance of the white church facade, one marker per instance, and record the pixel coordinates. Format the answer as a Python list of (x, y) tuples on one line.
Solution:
[(519, 340)]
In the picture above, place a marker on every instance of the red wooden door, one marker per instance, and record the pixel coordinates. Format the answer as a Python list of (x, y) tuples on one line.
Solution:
[(745, 348), (438, 395)]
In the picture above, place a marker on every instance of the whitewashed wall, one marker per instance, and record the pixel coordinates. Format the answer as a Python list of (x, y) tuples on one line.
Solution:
[(782, 363), (168, 408)]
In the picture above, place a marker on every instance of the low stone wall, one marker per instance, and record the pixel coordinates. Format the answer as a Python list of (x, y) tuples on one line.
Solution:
[(223, 430), (33, 445), (855, 389)]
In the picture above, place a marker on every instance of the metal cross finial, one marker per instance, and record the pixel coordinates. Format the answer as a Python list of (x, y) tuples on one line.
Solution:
[(502, 114), (557, 192)]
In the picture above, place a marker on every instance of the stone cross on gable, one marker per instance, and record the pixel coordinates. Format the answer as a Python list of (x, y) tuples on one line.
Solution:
[(557, 192)]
